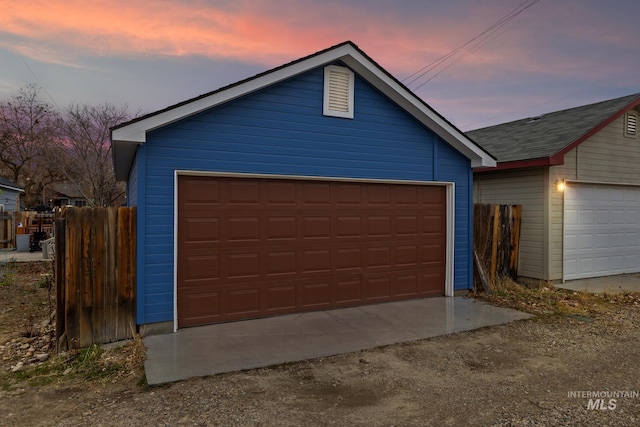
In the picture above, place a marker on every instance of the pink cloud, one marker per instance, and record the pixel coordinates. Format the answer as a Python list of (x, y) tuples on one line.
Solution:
[(273, 33), (257, 33)]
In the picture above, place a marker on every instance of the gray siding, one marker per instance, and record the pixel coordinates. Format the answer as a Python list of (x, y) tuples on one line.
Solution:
[(526, 188), (9, 198), (609, 156), (606, 157)]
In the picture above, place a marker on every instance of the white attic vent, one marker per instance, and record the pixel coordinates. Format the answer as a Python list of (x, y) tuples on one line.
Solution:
[(631, 124), (338, 92)]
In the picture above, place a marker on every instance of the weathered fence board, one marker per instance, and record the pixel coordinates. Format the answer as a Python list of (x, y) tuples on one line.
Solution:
[(496, 243), (95, 251)]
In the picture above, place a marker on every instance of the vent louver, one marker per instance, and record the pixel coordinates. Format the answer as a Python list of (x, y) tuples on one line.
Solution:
[(632, 124), (338, 91)]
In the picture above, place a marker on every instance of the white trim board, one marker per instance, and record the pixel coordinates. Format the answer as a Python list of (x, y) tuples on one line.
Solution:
[(449, 233), (125, 137)]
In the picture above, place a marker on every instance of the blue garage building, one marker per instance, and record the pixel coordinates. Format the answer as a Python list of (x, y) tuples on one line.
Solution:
[(319, 184)]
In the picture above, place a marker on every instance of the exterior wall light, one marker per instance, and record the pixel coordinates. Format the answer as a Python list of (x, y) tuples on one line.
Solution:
[(560, 185)]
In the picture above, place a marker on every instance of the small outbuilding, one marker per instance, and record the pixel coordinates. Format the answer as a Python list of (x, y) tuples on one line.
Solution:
[(320, 184), (576, 174), (9, 195)]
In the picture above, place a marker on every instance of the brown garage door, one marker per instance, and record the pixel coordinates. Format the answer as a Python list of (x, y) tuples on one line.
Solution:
[(255, 247)]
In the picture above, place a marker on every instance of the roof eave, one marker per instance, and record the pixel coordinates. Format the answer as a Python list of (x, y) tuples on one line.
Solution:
[(402, 96), (559, 156), (522, 164), (129, 135), (8, 187)]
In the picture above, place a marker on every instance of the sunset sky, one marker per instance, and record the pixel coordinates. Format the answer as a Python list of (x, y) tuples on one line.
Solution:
[(149, 54)]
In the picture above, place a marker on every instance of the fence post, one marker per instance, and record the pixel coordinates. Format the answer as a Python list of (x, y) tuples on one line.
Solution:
[(60, 276), (494, 242)]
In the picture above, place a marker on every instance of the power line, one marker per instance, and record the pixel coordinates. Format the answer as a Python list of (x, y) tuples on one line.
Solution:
[(39, 82), (475, 43)]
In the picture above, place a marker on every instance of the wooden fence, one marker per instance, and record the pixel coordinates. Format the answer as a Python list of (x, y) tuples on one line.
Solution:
[(496, 230), (7, 230), (95, 257)]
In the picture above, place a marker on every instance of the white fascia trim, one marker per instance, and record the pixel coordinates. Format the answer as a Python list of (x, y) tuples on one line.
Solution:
[(19, 190), (175, 251), (307, 177), (415, 107), (450, 250), (136, 132)]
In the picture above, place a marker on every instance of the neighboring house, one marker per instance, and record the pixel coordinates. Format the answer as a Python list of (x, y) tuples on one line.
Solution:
[(9, 195), (577, 175), (322, 183), (66, 194)]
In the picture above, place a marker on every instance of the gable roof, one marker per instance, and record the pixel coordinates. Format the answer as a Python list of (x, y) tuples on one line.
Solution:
[(67, 189), (544, 140), (127, 136), (5, 183)]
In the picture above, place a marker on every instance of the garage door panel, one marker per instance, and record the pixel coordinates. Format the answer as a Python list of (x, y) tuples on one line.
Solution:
[(316, 261), (281, 228), (348, 259), (316, 227), (378, 226), (200, 307), (349, 195), (348, 226), (407, 196), (429, 283), (348, 291), (281, 263), (316, 194), (280, 298), (243, 301), (601, 230), (241, 193), (406, 285), (378, 195), (201, 230), (283, 246), (378, 288), (243, 265), (202, 267), (315, 295), (242, 229), (407, 256), (281, 193)]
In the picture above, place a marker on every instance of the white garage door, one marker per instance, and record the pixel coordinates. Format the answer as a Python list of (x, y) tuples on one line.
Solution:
[(601, 230)]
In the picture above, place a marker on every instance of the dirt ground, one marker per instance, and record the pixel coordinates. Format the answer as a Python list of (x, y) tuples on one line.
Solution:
[(547, 371)]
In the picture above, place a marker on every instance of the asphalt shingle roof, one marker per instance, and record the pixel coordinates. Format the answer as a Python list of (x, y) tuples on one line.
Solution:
[(546, 135)]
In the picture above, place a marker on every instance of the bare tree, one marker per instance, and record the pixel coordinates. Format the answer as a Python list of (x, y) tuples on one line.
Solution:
[(85, 151), (28, 126)]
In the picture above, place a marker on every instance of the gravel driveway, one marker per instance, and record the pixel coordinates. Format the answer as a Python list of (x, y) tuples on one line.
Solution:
[(547, 371)]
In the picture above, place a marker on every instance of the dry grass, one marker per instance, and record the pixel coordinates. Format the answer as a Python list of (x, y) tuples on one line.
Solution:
[(114, 363), (547, 301)]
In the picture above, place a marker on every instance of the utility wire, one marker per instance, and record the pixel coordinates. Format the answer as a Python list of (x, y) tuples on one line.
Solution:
[(39, 82), (479, 41)]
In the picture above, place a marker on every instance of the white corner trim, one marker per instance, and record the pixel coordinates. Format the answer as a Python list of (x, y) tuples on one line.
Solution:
[(175, 250), (450, 219), (451, 228)]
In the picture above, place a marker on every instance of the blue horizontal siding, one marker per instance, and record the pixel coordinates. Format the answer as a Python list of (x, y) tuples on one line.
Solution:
[(132, 185), (281, 130), (453, 167)]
